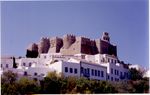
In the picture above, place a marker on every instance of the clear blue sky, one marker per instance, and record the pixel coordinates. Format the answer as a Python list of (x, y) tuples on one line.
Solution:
[(126, 21)]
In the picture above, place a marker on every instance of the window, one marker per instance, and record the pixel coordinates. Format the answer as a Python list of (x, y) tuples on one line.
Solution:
[(6, 65), (42, 74), (30, 64), (92, 72), (88, 70), (25, 73), (117, 79), (35, 79), (111, 78), (75, 71), (71, 70), (35, 74), (125, 74), (98, 73), (115, 72), (81, 69), (66, 69), (108, 77), (102, 73), (108, 59), (111, 60), (84, 71), (1, 65), (95, 72), (121, 73), (111, 71), (24, 64)]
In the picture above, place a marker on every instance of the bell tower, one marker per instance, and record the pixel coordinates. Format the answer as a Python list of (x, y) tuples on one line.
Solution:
[(105, 37)]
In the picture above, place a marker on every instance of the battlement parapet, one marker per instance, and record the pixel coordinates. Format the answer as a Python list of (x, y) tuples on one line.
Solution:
[(76, 45)]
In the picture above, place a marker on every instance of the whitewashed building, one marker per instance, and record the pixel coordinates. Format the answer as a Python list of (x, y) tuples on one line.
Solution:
[(98, 67)]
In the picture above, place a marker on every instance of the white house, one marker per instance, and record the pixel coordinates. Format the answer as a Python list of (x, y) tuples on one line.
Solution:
[(98, 67)]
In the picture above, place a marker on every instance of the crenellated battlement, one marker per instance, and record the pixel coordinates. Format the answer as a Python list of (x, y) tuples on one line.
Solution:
[(70, 44)]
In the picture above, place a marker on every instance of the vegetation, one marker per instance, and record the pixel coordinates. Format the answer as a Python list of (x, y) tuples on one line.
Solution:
[(56, 84)]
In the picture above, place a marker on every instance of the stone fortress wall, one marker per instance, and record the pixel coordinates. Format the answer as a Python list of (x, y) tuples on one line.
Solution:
[(71, 44)]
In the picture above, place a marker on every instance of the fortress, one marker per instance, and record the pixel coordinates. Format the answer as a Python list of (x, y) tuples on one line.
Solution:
[(70, 45), (71, 56)]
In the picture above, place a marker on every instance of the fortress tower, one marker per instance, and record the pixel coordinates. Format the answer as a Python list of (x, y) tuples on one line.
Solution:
[(32, 50), (43, 45), (70, 45), (55, 45), (104, 46)]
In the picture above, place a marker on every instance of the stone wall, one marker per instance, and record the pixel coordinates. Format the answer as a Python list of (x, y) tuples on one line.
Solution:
[(70, 45)]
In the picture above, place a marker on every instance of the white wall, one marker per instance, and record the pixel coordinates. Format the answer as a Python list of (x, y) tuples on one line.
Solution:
[(6, 63), (118, 67), (73, 66), (96, 67)]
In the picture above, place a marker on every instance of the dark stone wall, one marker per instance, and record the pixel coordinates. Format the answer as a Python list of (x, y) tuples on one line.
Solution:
[(70, 44), (107, 48), (31, 54)]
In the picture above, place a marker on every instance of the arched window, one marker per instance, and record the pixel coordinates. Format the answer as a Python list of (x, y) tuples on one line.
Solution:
[(25, 73), (24, 64), (35, 74), (30, 64)]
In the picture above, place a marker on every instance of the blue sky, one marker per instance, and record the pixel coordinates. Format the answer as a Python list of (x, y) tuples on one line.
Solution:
[(126, 21)]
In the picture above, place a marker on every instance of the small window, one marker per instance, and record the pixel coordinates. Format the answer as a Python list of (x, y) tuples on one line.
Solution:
[(30, 64), (75, 71), (81, 69), (45, 56), (108, 59), (66, 69), (125, 74), (25, 73), (98, 73), (35, 74), (42, 74), (111, 78), (35, 79), (1, 65), (95, 72), (24, 64), (88, 70), (121, 73), (111, 60), (92, 72), (107, 76), (84, 70), (71, 70), (115, 72), (111, 71), (7, 66), (102, 73)]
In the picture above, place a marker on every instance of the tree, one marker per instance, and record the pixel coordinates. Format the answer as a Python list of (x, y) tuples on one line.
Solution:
[(135, 74), (8, 83), (9, 77), (14, 63), (82, 85), (26, 86), (50, 84), (71, 84)]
